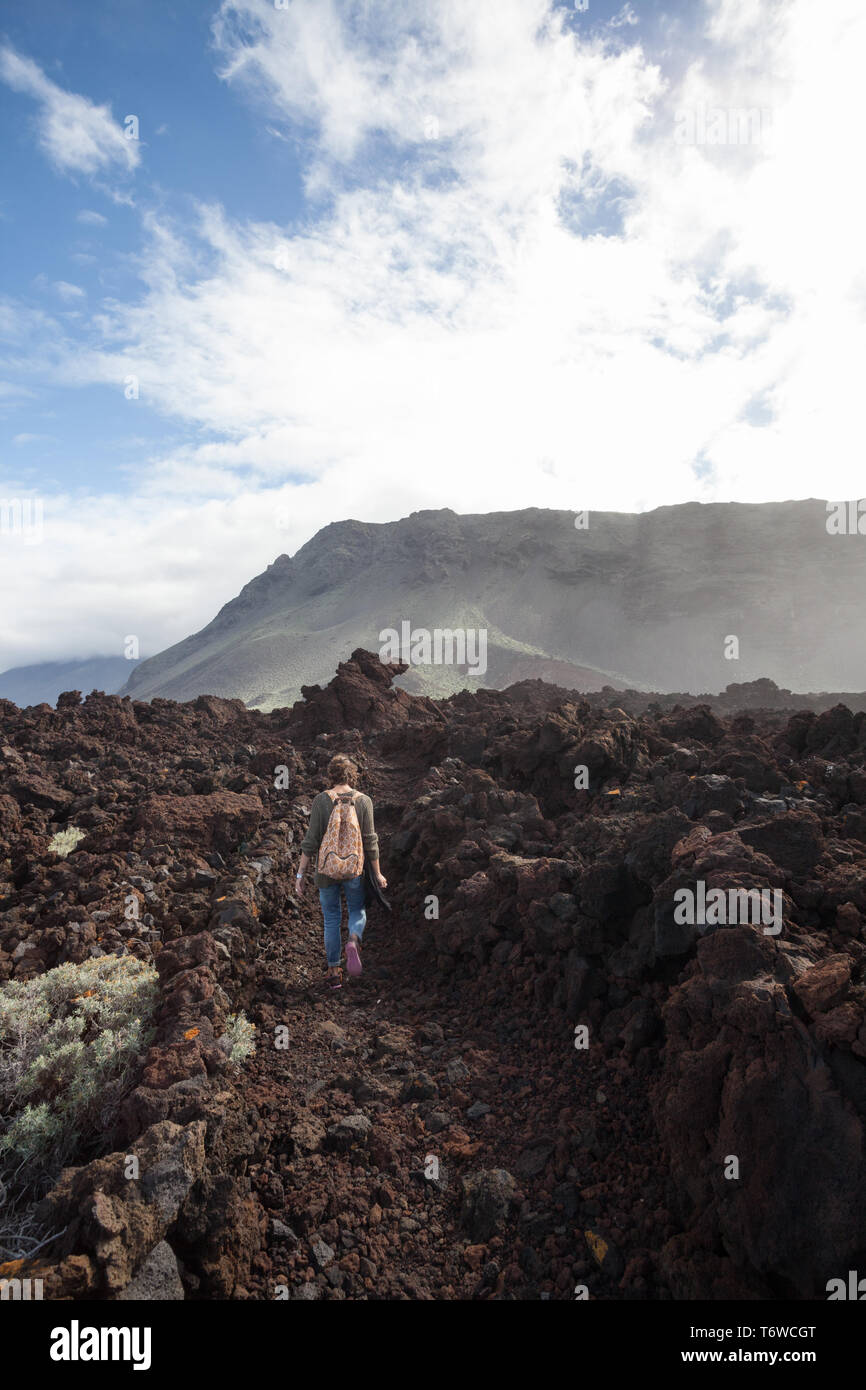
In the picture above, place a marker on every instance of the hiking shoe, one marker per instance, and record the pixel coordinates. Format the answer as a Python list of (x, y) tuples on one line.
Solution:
[(353, 959)]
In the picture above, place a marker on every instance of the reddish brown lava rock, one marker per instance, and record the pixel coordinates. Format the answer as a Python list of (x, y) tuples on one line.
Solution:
[(529, 1010)]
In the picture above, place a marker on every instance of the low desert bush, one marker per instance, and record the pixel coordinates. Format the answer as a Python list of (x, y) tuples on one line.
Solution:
[(238, 1041), (68, 1043), (64, 842)]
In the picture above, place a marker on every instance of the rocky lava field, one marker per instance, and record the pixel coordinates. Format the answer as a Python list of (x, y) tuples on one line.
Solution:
[(433, 1131)]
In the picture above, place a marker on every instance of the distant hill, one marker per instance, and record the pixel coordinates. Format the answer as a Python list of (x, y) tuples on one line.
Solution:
[(41, 684), (645, 601)]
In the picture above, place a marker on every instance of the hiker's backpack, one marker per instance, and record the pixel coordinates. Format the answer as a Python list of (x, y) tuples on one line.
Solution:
[(341, 853)]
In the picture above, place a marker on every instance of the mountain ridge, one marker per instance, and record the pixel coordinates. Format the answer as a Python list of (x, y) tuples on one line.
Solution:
[(641, 600), (42, 682)]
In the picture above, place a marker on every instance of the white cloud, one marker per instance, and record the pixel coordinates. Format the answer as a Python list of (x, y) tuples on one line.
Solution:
[(67, 291), (448, 314), (91, 218), (78, 136), (63, 288), (438, 332)]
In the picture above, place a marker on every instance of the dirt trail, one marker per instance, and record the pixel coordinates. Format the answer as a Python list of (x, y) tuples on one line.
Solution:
[(376, 1107)]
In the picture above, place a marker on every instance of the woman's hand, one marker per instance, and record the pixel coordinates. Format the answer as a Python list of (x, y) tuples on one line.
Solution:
[(301, 875), (381, 880)]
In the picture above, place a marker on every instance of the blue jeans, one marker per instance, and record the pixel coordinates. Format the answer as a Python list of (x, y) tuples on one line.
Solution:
[(332, 911)]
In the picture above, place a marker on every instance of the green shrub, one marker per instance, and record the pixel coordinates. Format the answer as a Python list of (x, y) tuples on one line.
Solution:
[(238, 1041), (64, 841), (68, 1042)]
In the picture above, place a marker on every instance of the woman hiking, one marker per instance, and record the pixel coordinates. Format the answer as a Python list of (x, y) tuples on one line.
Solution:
[(341, 832)]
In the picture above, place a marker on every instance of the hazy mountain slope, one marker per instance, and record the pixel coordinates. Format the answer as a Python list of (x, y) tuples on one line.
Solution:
[(645, 600), (42, 683)]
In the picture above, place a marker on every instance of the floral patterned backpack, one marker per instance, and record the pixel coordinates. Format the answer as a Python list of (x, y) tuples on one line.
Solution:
[(341, 853)]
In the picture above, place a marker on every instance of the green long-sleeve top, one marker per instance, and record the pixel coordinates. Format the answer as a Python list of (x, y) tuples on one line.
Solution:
[(320, 814)]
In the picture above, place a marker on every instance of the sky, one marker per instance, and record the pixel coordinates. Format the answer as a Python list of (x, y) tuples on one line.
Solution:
[(269, 264)]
